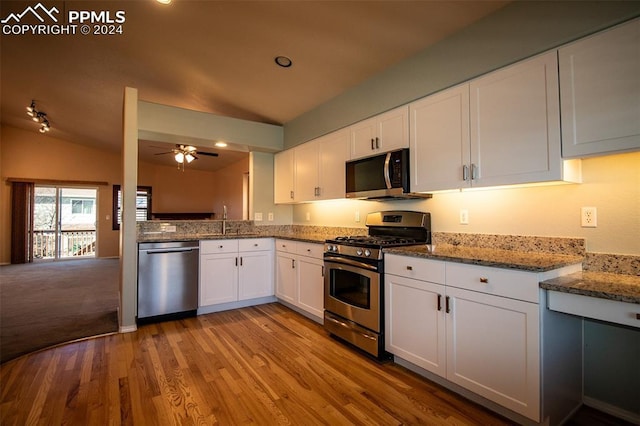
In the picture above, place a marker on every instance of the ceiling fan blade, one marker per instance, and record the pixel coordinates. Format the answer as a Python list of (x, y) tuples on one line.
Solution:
[(211, 154), (162, 153)]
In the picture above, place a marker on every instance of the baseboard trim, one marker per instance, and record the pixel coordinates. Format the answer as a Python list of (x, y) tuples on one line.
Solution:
[(128, 329), (611, 409)]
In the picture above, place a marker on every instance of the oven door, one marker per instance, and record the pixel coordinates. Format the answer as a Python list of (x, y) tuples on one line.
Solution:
[(352, 291)]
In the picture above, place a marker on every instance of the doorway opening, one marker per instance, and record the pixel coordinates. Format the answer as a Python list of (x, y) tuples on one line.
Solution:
[(64, 222)]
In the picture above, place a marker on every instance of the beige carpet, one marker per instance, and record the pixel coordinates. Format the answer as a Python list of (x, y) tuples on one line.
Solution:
[(44, 304)]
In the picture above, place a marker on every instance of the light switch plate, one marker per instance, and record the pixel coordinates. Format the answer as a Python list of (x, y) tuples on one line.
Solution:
[(257, 216)]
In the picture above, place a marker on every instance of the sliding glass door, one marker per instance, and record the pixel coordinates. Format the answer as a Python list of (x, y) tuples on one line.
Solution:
[(64, 222)]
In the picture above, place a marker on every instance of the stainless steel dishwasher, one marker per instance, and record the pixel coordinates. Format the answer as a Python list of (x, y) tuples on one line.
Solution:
[(167, 280)]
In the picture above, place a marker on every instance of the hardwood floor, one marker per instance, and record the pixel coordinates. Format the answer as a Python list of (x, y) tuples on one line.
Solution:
[(260, 365)]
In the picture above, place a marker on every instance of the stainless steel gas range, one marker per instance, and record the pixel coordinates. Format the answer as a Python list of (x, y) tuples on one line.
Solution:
[(354, 276)]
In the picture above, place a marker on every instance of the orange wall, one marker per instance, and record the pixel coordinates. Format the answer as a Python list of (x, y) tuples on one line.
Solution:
[(189, 191), (29, 154)]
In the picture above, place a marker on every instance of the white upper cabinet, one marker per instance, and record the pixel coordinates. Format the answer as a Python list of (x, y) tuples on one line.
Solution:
[(500, 129), (332, 156), (515, 124), (600, 92), (320, 167), (283, 180), (382, 133), (440, 140), (306, 171)]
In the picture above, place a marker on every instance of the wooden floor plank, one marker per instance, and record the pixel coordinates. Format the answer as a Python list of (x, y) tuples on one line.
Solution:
[(261, 365)]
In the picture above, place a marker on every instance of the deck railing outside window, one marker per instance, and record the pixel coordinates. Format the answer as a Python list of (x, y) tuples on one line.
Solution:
[(74, 243)]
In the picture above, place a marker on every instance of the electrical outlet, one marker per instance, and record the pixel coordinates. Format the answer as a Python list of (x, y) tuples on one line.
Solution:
[(589, 217), (308, 216), (464, 217), (357, 215), (257, 217), (270, 216)]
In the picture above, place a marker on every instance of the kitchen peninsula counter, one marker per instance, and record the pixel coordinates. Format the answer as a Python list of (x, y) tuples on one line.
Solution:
[(603, 285)]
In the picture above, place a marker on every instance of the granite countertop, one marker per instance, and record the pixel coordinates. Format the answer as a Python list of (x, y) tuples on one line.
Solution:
[(623, 288), (509, 259), (152, 237)]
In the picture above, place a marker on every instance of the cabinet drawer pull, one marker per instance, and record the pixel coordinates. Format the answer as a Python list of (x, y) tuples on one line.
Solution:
[(220, 246), (409, 268), (484, 280), (255, 244)]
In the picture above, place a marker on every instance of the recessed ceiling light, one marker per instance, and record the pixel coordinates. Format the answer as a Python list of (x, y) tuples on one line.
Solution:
[(221, 144), (164, 1), (283, 61)]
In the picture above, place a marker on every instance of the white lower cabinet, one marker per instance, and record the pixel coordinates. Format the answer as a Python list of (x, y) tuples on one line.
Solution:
[(477, 327), (493, 349), (235, 270), (300, 276)]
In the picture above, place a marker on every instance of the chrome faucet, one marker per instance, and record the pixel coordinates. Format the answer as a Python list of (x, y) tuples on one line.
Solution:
[(224, 220)]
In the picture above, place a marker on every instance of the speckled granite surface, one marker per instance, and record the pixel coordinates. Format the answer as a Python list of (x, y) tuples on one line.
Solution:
[(609, 276), (529, 244), (509, 259), (620, 287)]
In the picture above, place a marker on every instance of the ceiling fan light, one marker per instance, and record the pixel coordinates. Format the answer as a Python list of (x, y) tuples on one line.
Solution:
[(189, 157), (179, 157), (43, 129), (35, 118)]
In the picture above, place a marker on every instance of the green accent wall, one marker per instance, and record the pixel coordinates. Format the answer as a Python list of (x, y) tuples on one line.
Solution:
[(517, 31)]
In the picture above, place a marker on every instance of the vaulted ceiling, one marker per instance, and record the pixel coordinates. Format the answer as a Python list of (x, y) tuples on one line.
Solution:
[(210, 56)]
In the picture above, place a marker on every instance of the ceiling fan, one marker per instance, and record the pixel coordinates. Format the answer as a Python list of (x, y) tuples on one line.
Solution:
[(186, 153)]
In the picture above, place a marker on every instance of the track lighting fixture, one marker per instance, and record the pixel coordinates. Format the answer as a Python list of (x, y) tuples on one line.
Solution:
[(39, 117)]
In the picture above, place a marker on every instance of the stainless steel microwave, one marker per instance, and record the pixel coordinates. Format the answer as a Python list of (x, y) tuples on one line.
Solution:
[(382, 176)]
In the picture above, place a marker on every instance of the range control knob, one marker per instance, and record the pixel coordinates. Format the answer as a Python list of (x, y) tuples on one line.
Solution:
[(367, 252), (359, 252)]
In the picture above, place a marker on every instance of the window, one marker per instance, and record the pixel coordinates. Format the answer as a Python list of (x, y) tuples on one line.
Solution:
[(143, 205), (81, 206)]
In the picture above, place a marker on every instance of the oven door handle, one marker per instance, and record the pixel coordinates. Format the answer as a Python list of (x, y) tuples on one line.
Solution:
[(343, 261)]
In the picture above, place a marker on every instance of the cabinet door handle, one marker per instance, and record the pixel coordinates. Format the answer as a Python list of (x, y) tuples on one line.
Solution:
[(240, 260), (474, 172), (291, 195), (439, 302), (372, 147), (293, 264), (377, 143), (447, 303), (323, 276), (465, 173), (409, 268), (236, 261), (638, 316), (484, 280)]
